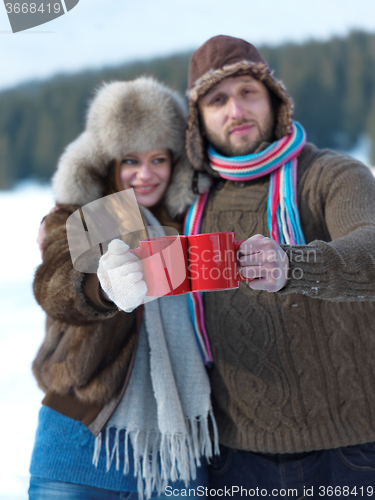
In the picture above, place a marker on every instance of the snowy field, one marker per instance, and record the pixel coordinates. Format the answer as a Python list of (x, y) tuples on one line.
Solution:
[(22, 329), (21, 332)]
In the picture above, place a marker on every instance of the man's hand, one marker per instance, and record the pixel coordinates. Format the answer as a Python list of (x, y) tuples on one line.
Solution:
[(264, 262), (120, 276)]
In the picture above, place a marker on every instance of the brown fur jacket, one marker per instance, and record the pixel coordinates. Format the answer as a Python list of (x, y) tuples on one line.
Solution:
[(89, 345), (85, 360)]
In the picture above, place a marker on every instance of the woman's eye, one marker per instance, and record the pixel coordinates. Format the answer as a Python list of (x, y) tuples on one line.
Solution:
[(129, 161), (162, 159)]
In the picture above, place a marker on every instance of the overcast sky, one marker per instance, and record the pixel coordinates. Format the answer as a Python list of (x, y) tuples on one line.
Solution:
[(109, 32)]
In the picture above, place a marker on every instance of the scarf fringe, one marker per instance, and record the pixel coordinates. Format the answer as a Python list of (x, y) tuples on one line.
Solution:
[(179, 454)]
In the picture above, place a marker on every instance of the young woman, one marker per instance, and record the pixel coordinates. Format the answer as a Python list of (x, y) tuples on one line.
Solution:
[(127, 407)]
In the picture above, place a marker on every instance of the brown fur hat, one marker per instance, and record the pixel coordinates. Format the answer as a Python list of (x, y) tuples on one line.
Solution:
[(223, 57), (124, 117)]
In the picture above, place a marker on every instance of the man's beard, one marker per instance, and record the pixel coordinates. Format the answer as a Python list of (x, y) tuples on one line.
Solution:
[(226, 148)]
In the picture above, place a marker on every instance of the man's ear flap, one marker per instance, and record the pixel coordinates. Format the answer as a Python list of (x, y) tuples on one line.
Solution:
[(195, 146)]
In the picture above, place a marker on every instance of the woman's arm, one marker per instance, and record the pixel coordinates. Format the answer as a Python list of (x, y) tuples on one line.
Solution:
[(89, 343), (64, 293), (89, 361)]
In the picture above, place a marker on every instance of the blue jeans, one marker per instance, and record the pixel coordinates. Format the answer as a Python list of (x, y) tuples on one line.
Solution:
[(345, 473), (44, 489)]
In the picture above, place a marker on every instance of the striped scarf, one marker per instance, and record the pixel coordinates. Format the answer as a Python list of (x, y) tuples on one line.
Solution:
[(280, 160)]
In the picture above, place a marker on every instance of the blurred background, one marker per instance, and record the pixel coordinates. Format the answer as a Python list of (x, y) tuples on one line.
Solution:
[(324, 51)]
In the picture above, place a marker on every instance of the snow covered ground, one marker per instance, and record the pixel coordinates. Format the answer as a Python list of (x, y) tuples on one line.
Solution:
[(22, 330)]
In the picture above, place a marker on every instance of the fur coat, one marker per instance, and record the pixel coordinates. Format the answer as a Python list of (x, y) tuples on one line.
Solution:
[(86, 358)]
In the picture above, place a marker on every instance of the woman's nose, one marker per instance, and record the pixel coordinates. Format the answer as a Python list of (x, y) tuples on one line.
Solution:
[(144, 172)]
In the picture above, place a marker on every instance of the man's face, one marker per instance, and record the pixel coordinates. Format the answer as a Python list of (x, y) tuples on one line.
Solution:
[(237, 115)]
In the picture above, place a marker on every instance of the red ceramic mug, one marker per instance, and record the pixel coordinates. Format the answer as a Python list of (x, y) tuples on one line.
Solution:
[(180, 264), (165, 264), (213, 262)]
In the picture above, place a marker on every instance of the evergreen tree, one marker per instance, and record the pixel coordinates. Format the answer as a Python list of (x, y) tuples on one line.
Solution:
[(332, 84)]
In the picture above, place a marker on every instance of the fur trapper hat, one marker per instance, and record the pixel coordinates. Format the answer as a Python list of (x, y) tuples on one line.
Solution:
[(223, 57), (124, 117)]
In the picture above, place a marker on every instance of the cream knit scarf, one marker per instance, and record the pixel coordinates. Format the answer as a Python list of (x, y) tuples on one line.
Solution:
[(166, 408)]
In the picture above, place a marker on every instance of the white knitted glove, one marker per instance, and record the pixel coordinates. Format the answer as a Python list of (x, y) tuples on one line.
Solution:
[(120, 275)]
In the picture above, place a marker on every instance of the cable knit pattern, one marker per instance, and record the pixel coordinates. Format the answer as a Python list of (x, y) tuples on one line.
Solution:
[(293, 372)]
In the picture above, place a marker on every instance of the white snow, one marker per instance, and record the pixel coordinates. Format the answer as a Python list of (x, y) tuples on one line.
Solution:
[(21, 332), (362, 149)]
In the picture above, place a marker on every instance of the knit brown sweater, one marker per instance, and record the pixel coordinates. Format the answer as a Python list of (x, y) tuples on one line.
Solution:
[(293, 371)]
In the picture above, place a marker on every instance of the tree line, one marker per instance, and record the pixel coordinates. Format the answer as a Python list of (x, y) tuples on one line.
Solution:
[(332, 84)]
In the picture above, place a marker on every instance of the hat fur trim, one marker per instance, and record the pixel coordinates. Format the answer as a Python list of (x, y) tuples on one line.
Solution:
[(123, 118), (137, 116), (79, 169), (196, 149)]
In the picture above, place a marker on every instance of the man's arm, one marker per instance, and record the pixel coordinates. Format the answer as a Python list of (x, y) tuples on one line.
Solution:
[(340, 197), (343, 267)]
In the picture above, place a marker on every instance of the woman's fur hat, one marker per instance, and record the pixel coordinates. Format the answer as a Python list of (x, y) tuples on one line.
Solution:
[(224, 57), (124, 117)]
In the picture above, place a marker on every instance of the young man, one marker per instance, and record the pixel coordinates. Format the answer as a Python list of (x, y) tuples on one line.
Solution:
[(293, 381)]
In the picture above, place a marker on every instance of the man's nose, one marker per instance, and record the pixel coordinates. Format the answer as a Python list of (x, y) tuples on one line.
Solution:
[(144, 172), (235, 110)]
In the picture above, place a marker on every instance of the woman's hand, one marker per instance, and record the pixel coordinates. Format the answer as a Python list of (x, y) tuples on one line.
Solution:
[(121, 278)]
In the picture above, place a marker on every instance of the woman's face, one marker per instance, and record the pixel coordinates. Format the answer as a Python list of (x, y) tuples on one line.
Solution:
[(148, 174)]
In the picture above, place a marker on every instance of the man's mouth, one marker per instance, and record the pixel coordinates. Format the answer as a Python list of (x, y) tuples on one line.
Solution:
[(241, 129)]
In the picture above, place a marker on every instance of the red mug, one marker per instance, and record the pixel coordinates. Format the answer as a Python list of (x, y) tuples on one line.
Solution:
[(180, 264), (165, 264), (213, 262)]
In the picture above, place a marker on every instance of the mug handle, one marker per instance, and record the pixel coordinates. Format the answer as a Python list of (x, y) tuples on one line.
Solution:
[(137, 252), (239, 275)]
